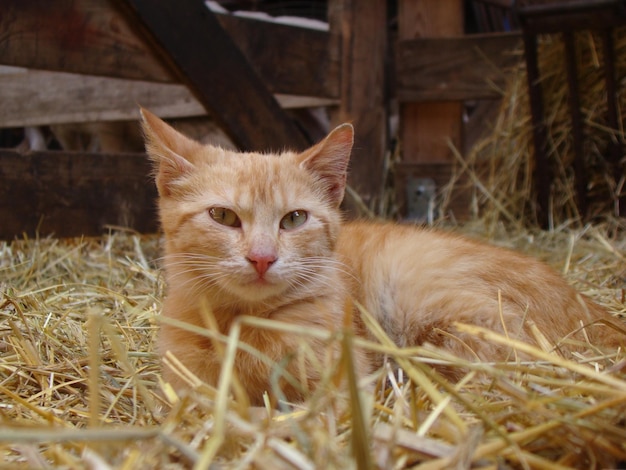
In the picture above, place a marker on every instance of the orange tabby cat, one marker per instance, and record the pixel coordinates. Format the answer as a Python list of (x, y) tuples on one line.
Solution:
[(261, 235)]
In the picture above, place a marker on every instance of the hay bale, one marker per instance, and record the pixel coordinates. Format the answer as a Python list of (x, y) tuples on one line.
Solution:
[(80, 386), (504, 162)]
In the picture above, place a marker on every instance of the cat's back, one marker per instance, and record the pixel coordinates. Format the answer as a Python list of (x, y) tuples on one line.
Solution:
[(422, 280), (387, 247), (423, 261), (387, 257)]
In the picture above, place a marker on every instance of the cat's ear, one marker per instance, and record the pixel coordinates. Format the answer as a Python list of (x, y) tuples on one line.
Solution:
[(329, 159), (169, 150)]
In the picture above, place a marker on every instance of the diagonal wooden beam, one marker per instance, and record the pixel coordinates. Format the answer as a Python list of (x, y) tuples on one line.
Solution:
[(188, 37), (93, 37)]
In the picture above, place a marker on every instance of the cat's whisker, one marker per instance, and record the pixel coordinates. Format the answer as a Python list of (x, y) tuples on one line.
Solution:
[(322, 273), (199, 262), (312, 281), (176, 257), (198, 279), (328, 263), (194, 285)]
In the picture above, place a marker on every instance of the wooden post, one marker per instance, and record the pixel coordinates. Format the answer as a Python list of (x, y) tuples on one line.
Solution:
[(426, 127), (359, 32)]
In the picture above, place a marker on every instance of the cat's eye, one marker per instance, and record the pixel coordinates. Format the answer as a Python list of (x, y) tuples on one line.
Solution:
[(225, 216), (294, 219)]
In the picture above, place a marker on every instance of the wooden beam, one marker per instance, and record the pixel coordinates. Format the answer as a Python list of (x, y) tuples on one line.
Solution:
[(32, 98), (359, 32), (290, 59), (455, 69), (92, 37), (188, 37), (82, 36), (425, 128), (71, 194)]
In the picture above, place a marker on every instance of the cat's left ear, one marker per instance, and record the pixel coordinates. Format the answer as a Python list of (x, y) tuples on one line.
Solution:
[(329, 159)]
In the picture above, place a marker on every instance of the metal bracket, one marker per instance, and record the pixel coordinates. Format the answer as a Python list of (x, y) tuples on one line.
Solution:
[(420, 199)]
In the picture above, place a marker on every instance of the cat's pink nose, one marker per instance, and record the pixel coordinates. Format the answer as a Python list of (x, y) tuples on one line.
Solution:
[(261, 262)]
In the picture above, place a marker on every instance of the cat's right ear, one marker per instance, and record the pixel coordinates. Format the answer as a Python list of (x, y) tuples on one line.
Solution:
[(169, 150), (328, 160)]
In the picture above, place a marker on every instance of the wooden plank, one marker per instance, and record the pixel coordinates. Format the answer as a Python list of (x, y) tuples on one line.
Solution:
[(425, 128), (569, 16), (455, 69), (71, 194), (289, 59), (359, 29), (187, 35), (82, 36), (32, 98), (92, 37)]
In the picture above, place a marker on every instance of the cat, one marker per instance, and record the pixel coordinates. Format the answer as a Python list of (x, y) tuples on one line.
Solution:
[(261, 234)]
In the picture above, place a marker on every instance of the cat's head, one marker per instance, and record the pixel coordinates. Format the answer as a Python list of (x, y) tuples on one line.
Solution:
[(254, 225)]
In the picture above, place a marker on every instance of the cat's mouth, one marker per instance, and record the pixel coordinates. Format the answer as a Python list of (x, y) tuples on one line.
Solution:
[(258, 289), (262, 283)]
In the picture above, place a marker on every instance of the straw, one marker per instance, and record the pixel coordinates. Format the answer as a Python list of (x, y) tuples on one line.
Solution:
[(79, 376), (80, 382), (502, 164)]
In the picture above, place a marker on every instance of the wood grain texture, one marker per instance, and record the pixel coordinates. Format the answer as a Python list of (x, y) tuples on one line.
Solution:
[(187, 36), (359, 28), (290, 60), (455, 69), (82, 36), (32, 98), (72, 194), (93, 37), (426, 128)]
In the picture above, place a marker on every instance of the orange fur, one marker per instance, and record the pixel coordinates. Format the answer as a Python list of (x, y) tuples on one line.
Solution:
[(236, 244)]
